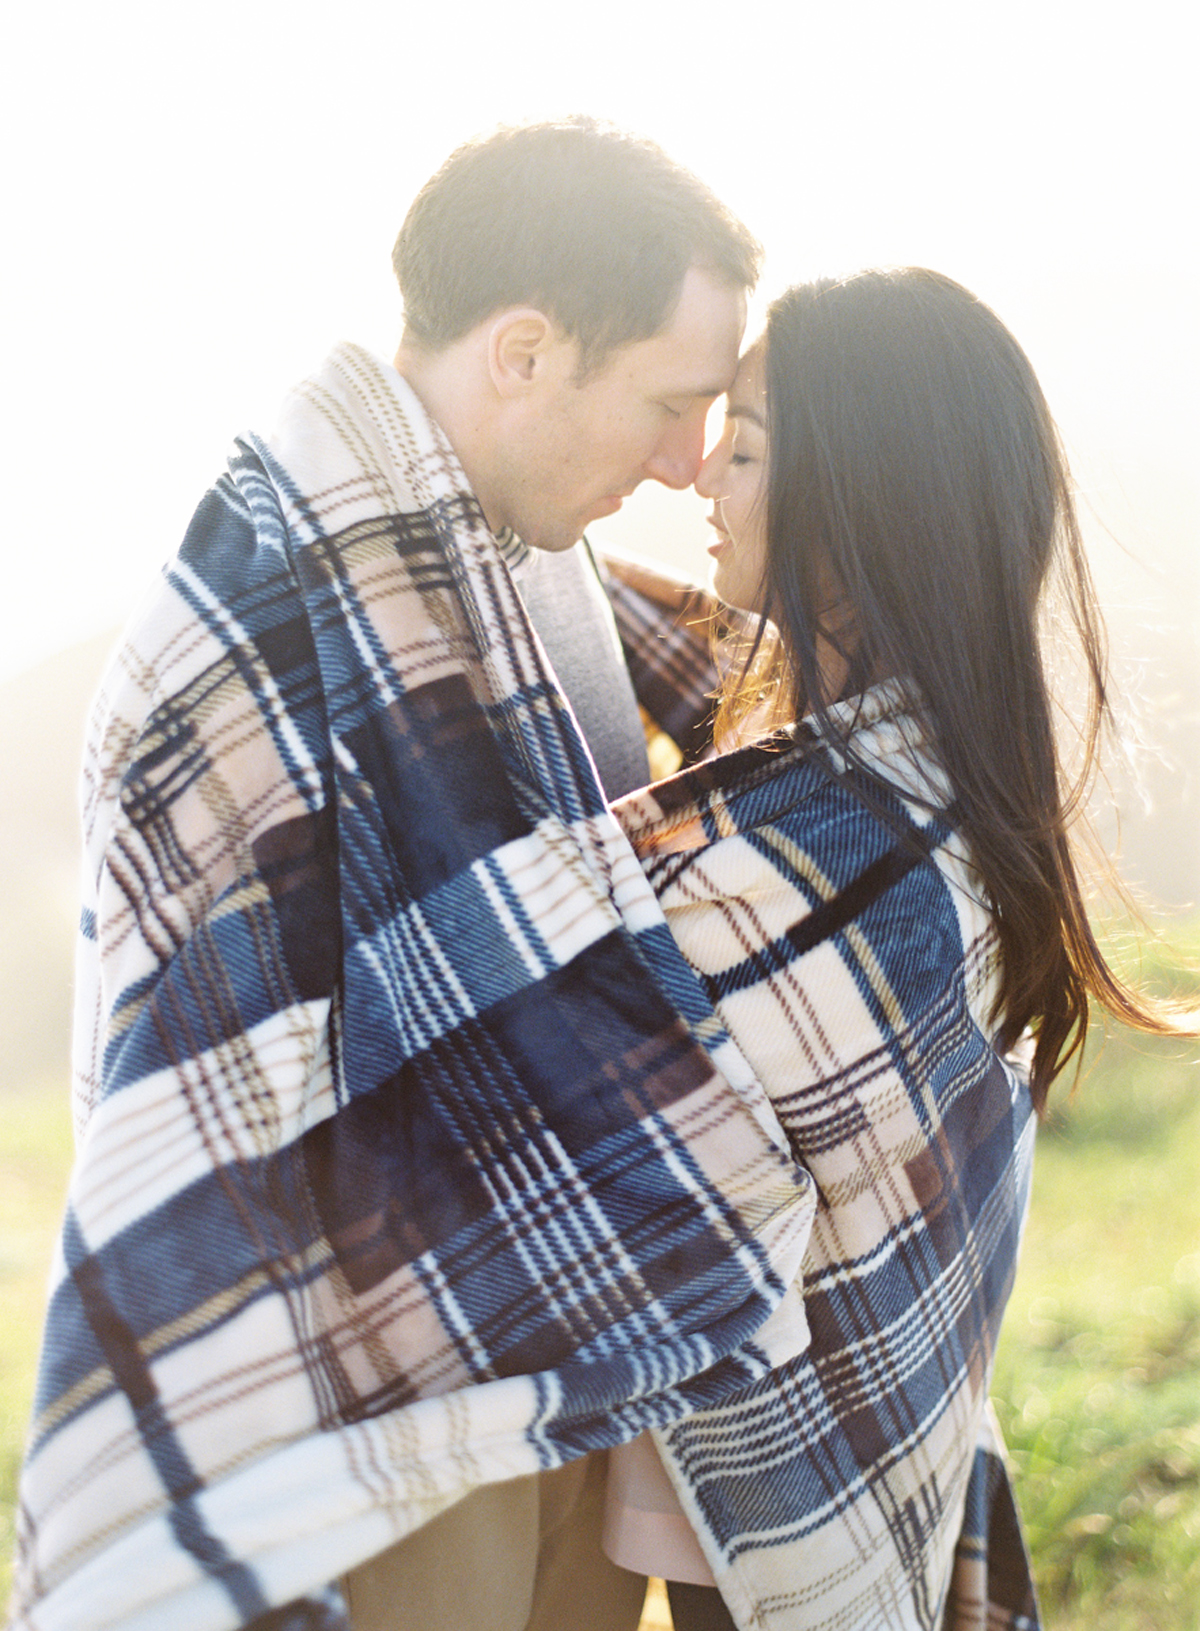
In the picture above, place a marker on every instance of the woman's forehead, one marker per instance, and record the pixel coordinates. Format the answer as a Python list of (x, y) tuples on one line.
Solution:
[(747, 394)]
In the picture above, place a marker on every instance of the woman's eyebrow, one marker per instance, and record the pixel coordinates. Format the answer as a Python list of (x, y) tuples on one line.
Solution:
[(741, 410)]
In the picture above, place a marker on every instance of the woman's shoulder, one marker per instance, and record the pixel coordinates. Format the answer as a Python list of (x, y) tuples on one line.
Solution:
[(852, 786), (854, 826)]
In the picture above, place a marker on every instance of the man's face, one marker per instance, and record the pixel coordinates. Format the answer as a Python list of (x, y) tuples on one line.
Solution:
[(575, 450)]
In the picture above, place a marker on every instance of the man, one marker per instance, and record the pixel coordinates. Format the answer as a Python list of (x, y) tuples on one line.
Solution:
[(412, 1159), (570, 353)]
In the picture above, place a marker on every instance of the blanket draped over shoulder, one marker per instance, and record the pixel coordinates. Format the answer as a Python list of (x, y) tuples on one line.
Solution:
[(411, 1155), (841, 936)]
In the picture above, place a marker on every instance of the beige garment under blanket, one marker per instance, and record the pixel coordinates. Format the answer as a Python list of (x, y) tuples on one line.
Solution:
[(518, 1556), (645, 1528)]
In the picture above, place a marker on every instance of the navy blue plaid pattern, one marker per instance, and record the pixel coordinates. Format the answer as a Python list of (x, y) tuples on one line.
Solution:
[(400, 1168), (840, 933)]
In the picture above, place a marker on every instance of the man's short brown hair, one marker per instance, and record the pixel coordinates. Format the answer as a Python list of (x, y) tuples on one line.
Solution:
[(593, 226)]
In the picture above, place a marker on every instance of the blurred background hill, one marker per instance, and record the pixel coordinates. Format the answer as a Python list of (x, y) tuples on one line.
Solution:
[(42, 713)]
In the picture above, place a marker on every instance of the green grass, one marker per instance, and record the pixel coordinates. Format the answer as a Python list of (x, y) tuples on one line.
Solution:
[(1098, 1376), (35, 1156)]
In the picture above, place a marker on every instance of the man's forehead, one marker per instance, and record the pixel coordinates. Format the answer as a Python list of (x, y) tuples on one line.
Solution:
[(695, 354)]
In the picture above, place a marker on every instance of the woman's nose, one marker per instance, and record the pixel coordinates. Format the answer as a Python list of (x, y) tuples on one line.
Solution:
[(710, 477)]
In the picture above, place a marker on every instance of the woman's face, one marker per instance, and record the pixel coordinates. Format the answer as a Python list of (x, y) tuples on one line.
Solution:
[(734, 476)]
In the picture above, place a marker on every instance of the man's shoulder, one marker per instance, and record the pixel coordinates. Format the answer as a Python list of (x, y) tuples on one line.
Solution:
[(218, 636)]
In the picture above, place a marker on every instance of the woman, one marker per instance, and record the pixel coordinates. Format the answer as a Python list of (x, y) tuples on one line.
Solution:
[(878, 891)]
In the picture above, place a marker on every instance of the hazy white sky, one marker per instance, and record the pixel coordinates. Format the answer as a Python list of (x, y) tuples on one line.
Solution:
[(203, 198)]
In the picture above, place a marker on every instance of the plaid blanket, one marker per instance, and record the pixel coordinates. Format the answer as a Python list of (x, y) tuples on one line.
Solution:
[(411, 1153), (859, 1486)]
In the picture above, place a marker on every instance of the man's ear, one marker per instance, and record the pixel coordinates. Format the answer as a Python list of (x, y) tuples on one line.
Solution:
[(519, 344)]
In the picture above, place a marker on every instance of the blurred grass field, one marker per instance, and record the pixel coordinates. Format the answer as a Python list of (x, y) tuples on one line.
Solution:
[(35, 1156), (1098, 1377), (1097, 1380)]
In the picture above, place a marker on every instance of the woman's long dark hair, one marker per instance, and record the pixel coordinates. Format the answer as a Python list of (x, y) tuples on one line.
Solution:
[(918, 496)]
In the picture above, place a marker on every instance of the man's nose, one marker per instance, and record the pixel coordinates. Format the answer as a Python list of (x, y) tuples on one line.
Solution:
[(677, 459)]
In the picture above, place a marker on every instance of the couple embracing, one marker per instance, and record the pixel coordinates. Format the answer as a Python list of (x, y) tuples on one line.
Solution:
[(506, 1171)]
